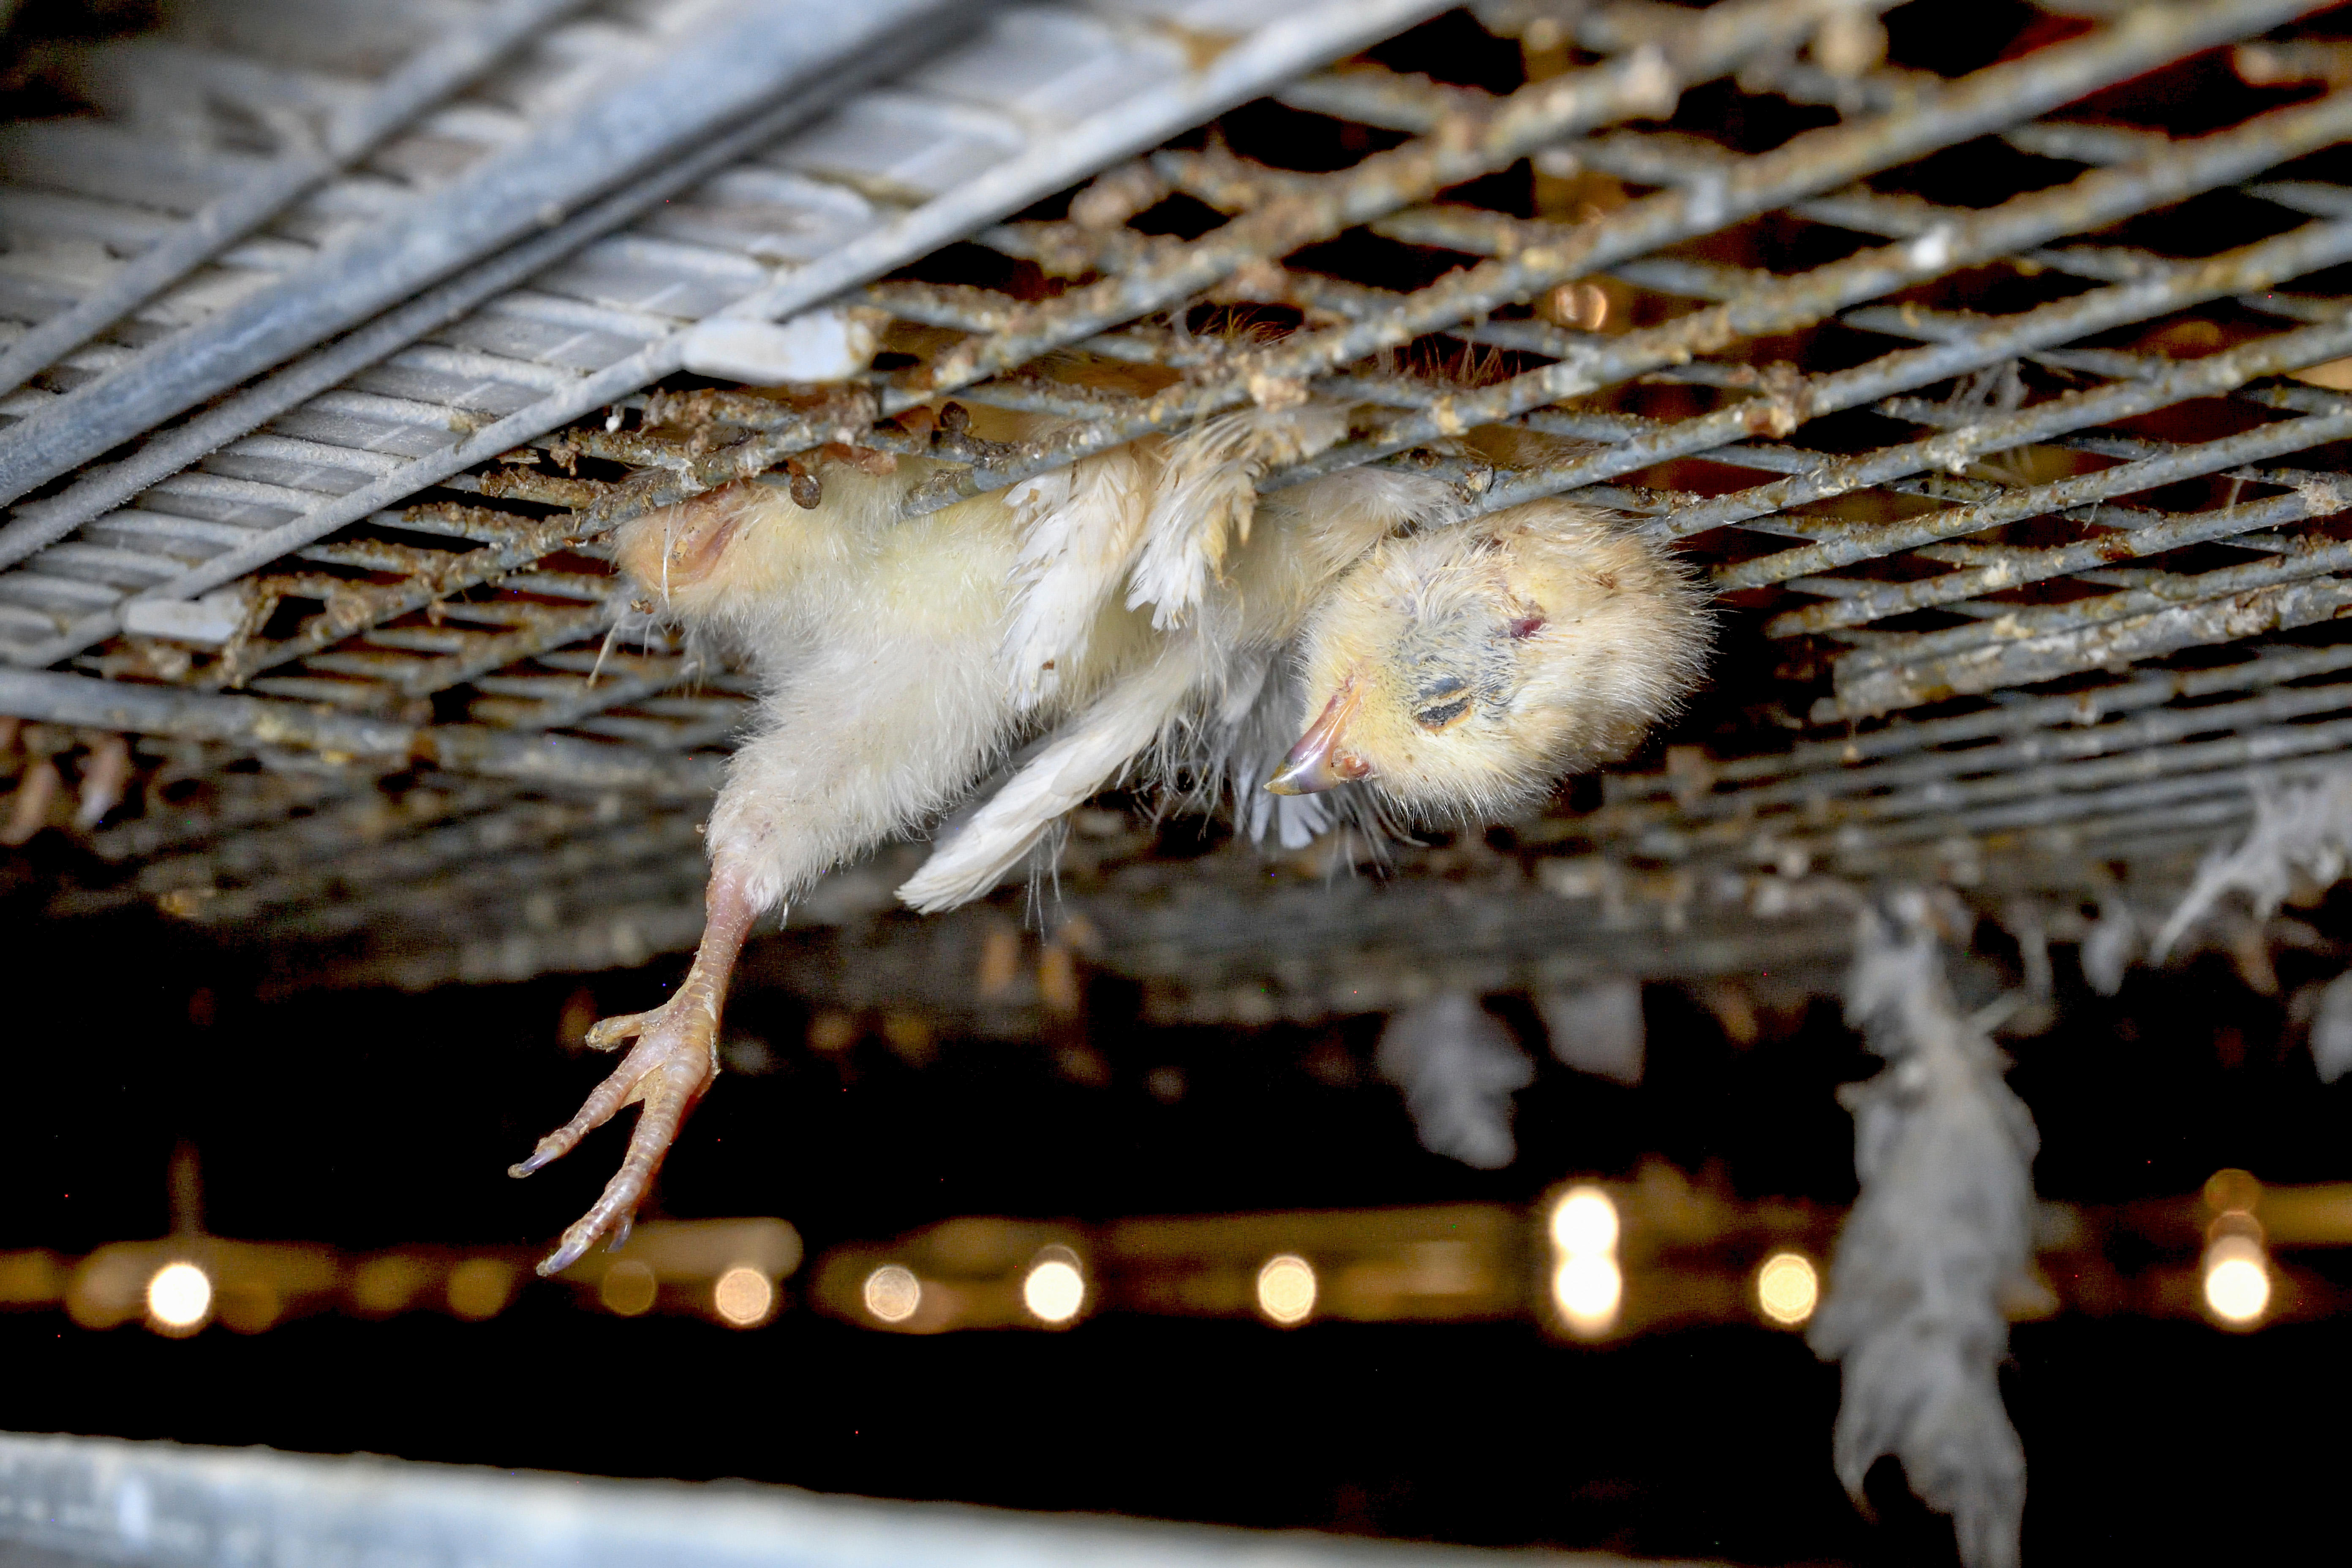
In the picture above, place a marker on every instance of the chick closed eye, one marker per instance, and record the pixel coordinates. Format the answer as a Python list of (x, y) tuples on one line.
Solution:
[(1449, 704)]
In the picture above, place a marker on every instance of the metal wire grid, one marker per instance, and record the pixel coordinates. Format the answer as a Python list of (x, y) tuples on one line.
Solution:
[(2058, 799), (761, 220)]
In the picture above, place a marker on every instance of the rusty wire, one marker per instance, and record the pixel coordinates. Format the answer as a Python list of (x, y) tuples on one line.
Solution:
[(1895, 566)]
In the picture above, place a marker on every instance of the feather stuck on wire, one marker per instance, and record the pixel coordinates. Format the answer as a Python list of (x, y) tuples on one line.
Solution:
[(1938, 1246)]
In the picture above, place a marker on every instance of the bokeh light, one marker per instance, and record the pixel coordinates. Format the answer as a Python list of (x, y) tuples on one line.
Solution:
[(179, 1298), (892, 1293), (248, 1306), (388, 1284), (2237, 1281), (1587, 1290), (627, 1289), (1587, 1285), (1787, 1288), (480, 1287), (1584, 1223), (1054, 1290), (1286, 1289), (743, 1297)]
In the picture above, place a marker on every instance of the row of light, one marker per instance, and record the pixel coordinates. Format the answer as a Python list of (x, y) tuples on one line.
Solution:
[(180, 1293), (1588, 1283), (1054, 1290), (743, 1297)]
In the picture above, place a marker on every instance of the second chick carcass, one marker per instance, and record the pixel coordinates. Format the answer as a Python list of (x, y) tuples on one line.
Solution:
[(1143, 607)]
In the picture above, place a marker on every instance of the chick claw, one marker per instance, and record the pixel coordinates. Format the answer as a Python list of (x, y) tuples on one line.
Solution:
[(674, 1061)]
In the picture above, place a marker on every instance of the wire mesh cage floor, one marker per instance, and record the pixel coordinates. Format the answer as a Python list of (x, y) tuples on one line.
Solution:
[(1991, 363)]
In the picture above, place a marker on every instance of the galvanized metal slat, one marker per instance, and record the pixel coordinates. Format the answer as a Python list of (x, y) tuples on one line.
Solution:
[(734, 59), (343, 131)]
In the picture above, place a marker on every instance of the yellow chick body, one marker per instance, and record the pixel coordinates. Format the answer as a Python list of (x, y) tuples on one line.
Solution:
[(875, 636)]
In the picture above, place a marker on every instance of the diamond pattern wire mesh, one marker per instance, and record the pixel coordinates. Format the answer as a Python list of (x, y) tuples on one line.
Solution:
[(1972, 387)]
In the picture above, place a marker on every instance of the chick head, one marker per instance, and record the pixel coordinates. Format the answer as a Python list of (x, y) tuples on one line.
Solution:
[(1461, 672)]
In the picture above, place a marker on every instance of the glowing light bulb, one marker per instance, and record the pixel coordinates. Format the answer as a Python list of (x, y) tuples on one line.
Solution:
[(627, 1289), (892, 1293), (1587, 1290), (1054, 1290), (1787, 1288), (1587, 1285), (179, 1297), (1286, 1289), (1584, 1222), (743, 1297), (2237, 1281)]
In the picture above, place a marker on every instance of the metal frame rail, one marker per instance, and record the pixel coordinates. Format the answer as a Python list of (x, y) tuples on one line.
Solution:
[(163, 1505)]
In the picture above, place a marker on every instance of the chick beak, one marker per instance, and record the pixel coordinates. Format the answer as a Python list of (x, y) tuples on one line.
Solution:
[(1317, 763)]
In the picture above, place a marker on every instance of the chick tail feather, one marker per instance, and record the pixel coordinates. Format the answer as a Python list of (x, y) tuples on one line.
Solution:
[(1208, 498), (1121, 725)]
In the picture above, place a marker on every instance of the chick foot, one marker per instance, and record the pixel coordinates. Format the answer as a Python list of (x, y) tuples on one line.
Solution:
[(674, 1061)]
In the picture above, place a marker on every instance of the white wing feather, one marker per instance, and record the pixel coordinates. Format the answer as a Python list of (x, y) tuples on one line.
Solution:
[(1091, 750)]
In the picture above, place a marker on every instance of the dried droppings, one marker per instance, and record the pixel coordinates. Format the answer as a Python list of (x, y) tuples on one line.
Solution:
[(865, 459), (807, 493), (546, 489)]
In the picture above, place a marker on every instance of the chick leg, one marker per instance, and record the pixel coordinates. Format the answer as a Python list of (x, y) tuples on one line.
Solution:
[(674, 1061)]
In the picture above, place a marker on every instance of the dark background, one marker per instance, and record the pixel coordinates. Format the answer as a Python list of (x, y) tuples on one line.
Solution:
[(366, 1118)]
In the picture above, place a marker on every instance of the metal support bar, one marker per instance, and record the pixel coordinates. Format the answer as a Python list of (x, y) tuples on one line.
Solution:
[(165, 1506)]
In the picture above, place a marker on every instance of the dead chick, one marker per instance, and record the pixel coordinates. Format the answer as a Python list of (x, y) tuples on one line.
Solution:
[(1138, 609)]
